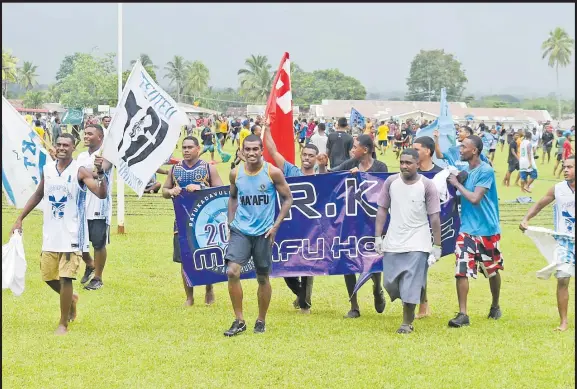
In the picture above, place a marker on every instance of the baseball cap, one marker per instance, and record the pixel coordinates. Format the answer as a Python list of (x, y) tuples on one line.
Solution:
[(245, 122), (566, 133)]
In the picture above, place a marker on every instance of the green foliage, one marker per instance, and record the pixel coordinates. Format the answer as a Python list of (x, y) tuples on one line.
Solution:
[(66, 66), (176, 73), (34, 99), (256, 79), (27, 75), (312, 87), (196, 80), (9, 70), (432, 70), (558, 48), (541, 103), (91, 82)]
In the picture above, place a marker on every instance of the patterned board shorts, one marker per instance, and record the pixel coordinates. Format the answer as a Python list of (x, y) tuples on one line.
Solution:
[(475, 253)]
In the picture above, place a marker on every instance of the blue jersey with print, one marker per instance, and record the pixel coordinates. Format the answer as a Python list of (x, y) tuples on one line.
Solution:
[(290, 170), (256, 201), (197, 174), (481, 219)]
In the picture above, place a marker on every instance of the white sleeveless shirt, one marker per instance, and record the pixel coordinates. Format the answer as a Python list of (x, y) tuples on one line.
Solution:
[(564, 209), (96, 208), (64, 228)]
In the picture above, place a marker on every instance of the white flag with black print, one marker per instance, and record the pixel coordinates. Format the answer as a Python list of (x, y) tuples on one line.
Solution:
[(144, 130)]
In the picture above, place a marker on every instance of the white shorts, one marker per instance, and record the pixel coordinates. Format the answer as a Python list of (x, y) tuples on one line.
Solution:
[(565, 270)]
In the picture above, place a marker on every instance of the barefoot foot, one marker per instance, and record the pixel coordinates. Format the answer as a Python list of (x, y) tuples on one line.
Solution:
[(209, 297), (61, 330), (562, 328), (189, 303)]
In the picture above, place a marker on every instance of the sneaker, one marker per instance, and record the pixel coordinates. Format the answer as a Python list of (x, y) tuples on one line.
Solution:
[(94, 284), (495, 313), (380, 301), (259, 327), (88, 273), (459, 321), (236, 328)]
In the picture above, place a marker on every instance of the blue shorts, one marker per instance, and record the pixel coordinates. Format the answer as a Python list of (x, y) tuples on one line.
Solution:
[(208, 148), (525, 174)]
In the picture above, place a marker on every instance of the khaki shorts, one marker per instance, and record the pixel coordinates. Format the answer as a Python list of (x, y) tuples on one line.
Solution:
[(54, 266)]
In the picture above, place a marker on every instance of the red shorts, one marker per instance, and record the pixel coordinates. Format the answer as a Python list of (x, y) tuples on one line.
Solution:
[(477, 252)]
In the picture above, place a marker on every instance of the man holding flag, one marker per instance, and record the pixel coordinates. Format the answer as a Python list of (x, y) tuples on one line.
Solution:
[(98, 212)]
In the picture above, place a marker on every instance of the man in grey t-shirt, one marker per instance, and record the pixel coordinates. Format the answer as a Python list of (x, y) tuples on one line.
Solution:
[(409, 198)]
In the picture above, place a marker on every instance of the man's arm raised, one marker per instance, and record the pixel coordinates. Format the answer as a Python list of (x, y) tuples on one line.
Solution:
[(278, 159)]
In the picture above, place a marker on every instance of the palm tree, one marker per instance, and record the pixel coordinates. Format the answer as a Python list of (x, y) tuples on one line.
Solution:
[(145, 61), (34, 99), (176, 73), (558, 47), (27, 75), (256, 78), (9, 71), (197, 77)]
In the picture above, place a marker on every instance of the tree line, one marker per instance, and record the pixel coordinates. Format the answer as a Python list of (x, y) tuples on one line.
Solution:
[(85, 80)]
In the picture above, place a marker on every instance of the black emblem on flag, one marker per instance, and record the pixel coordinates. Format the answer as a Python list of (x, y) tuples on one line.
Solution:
[(143, 140)]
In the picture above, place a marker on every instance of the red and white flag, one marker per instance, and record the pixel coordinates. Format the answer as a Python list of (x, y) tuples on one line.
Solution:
[(279, 109)]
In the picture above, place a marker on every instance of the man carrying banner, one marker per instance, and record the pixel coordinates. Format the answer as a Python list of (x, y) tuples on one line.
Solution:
[(362, 161), (98, 212), (63, 188), (302, 287), (563, 194), (477, 245), (251, 208), (190, 174), (406, 246)]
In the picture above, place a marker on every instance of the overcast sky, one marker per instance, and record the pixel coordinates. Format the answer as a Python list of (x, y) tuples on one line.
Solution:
[(498, 44)]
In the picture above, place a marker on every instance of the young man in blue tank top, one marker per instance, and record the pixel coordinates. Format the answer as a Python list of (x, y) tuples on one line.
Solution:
[(190, 174), (251, 208), (563, 194), (302, 287)]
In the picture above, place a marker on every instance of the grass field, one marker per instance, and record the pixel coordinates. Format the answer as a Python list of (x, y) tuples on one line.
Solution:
[(135, 332)]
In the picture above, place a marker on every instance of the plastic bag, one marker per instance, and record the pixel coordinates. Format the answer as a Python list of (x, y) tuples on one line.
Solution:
[(13, 264)]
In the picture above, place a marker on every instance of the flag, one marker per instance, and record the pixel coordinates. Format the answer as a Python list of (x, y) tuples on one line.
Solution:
[(357, 120), (557, 249), (23, 157), (444, 123), (144, 131), (279, 110)]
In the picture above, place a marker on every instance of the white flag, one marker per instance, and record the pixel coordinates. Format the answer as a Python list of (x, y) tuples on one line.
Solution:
[(556, 247), (144, 130), (23, 157)]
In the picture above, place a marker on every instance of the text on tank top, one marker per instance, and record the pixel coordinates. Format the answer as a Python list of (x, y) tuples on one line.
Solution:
[(256, 201)]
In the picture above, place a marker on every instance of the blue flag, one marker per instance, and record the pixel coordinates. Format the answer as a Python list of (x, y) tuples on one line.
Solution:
[(357, 119), (444, 123)]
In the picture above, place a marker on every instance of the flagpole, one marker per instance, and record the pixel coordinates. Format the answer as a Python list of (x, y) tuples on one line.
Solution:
[(119, 181)]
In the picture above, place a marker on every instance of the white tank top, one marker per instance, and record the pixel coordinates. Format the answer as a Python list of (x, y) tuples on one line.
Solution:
[(96, 208), (564, 209), (64, 227)]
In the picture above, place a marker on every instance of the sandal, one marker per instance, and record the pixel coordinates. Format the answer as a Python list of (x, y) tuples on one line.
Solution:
[(405, 329)]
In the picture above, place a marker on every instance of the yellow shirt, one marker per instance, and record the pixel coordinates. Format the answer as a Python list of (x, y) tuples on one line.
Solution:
[(244, 132), (39, 131), (383, 132), (223, 127), (368, 128)]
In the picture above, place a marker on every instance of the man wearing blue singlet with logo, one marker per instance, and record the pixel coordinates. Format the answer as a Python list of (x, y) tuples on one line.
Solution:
[(253, 189), (190, 174)]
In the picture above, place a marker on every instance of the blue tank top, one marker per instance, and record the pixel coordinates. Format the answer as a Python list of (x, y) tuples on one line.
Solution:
[(256, 201), (197, 174)]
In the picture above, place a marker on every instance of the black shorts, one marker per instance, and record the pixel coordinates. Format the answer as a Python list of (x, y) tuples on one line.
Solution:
[(513, 166), (502, 141), (220, 135), (547, 149), (98, 233), (176, 257), (559, 157), (242, 247), (383, 143), (492, 150), (301, 140)]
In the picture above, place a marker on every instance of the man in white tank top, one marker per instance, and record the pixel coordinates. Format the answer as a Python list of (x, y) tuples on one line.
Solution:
[(563, 194), (98, 212), (63, 188)]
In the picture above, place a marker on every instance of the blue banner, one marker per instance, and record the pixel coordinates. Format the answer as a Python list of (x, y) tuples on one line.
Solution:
[(329, 230), (357, 119)]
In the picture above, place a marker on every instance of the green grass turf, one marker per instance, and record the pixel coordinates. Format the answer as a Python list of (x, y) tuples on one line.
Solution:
[(135, 332)]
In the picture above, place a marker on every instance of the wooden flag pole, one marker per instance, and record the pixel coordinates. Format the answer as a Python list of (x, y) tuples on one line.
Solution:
[(119, 180)]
